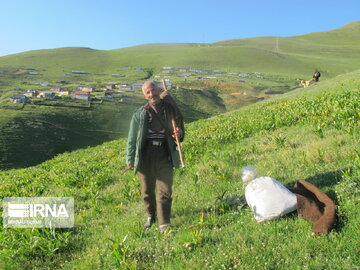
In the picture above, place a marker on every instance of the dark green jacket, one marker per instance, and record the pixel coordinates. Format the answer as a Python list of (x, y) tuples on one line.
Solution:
[(138, 132)]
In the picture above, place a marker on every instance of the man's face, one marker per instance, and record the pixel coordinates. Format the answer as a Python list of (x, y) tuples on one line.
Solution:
[(151, 94)]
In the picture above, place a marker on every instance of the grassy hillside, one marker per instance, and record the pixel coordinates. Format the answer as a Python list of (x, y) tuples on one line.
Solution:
[(329, 51), (37, 133), (312, 135)]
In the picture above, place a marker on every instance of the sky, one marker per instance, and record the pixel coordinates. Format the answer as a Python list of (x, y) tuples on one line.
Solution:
[(109, 24)]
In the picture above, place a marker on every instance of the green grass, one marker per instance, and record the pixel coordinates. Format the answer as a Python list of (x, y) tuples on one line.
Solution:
[(37, 133), (311, 135)]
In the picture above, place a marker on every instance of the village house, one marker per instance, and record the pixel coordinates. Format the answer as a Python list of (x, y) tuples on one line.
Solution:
[(86, 88), (17, 89), (78, 72), (136, 86), (166, 69), (57, 89), (19, 99), (110, 86), (44, 84), (123, 87), (82, 95), (46, 94), (197, 71), (64, 93), (30, 93)]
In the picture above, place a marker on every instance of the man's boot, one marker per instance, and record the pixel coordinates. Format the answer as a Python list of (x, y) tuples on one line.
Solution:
[(164, 227), (149, 222)]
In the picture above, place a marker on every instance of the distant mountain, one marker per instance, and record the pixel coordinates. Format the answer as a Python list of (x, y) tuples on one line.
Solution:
[(334, 52)]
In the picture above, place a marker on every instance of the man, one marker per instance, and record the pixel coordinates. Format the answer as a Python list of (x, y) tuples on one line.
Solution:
[(316, 76), (151, 151)]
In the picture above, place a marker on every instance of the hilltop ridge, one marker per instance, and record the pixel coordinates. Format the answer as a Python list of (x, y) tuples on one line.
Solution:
[(298, 54)]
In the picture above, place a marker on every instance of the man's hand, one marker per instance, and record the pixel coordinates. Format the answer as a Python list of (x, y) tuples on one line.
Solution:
[(177, 133), (130, 166)]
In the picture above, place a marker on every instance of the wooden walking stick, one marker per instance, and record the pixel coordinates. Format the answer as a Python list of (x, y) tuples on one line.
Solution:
[(176, 136)]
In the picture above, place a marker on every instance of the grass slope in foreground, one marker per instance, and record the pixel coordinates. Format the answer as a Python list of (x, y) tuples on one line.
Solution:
[(312, 136)]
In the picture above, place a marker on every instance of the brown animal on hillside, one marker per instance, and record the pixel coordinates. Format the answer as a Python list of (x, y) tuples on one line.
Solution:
[(305, 83)]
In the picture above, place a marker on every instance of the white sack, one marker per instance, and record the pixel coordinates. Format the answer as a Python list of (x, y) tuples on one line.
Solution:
[(248, 174), (269, 199)]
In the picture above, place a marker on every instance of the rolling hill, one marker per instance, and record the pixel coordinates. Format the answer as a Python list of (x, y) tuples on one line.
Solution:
[(310, 134), (333, 52)]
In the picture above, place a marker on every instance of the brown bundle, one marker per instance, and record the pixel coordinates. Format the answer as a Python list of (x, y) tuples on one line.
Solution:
[(315, 206)]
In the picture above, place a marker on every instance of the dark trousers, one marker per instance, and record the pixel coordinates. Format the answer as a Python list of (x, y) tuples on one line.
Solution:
[(156, 173)]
